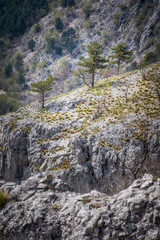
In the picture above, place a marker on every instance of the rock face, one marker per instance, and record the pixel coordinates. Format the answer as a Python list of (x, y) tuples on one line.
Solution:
[(44, 208), (64, 168), (85, 153)]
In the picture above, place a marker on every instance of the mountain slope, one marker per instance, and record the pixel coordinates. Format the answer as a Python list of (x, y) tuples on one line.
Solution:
[(134, 22), (95, 135)]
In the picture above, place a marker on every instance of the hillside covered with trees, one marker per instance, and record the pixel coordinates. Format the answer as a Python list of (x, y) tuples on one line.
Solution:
[(38, 38)]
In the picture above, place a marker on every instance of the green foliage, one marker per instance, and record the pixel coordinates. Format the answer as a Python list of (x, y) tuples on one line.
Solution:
[(58, 50), (68, 39), (42, 87), (59, 24), (31, 44), (94, 62), (50, 45), (36, 28), (18, 61), (120, 54), (105, 36), (17, 15), (149, 43), (8, 104), (65, 3), (87, 8), (42, 64), (88, 23), (117, 17), (4, 197), (20, 76), (50, 40), (144, 12), (1, 44), (8, 70), (149, 58), (139, 19), (157, 28), (123, 6)]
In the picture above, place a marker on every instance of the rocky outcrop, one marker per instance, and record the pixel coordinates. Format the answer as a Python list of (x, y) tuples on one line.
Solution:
[(85, 153), (62, 166), (42, 207), (89, 162)]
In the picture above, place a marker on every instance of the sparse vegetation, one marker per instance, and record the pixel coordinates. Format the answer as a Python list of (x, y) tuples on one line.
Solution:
[(4, 198), (42, 87), (120, 54), (89, 65)]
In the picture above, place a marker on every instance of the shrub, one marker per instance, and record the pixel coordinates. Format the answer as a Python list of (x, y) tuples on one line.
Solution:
[(67, 39), (59, 24), (87, 7), (42, 64), (150, 57), (36, 28), (31, 44), (117, 17), (71, 3), (139, 19), (88, 24), (2, 44), (18, 61), (105, 37), (123, 6), (4, 197), (65, 3), (149, 43), (157, 29), (8, 70), (58, 50)]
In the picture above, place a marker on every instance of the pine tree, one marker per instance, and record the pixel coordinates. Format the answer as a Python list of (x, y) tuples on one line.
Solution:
[(42, 87), (31, 44), (59, 24), (8, 70), (94, 62), (120, 54)]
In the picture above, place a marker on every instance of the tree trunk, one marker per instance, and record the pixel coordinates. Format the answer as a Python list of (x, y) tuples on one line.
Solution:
[(93, 79), (118, 66), (62, 89), (42, 99)]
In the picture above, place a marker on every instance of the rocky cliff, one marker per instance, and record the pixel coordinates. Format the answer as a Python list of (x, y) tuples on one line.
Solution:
[(87, 166), (44, 208), (62, 164)]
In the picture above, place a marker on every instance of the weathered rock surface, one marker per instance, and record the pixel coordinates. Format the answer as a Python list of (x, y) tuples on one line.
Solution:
[(85, 153), (62, 166), (49, 212)]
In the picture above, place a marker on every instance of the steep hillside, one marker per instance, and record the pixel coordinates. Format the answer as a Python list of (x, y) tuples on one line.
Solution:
[(87, 165), (88, 136), (65, 32), (61, 165)]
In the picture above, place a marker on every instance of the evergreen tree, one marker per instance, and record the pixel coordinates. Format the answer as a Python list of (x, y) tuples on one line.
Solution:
[(120, 54), (42, 87), (94, 62), (68, 39), (71, 3), (59, 24), (18, 61), (65, 3), (8, 70), (31, 44)]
